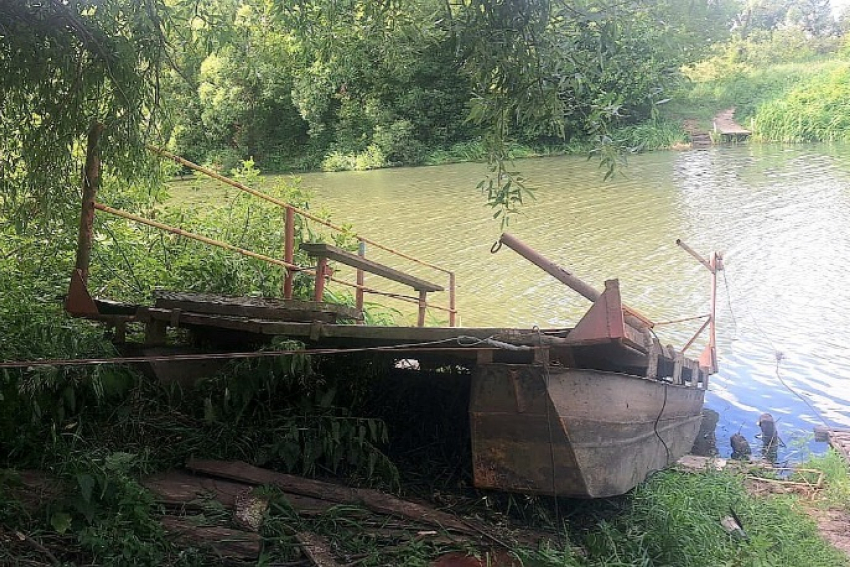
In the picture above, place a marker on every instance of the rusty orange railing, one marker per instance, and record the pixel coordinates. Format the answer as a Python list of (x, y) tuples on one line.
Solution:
[(91, 180)]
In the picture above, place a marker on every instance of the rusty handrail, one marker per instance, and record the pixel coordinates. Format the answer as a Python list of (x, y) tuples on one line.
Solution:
[(288, 247), (281, 203), (257, 256), (193, 236)]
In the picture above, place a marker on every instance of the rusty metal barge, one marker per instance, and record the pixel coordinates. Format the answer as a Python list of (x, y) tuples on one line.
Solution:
[(607, 405), (584, 412)]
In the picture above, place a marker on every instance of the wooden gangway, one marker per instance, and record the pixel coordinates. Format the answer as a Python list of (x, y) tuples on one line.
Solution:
[(726, 127), (80, 303)]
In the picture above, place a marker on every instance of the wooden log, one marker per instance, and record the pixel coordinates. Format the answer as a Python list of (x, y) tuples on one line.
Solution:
[(372, 499), (228, 543), (317, 549), (178, 488)]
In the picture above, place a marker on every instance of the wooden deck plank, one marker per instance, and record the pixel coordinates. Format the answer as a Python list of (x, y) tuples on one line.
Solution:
[(258, 307), (355, 261), (367, 334)]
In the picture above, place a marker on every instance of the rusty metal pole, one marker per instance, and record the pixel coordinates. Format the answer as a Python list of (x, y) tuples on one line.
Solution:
[(321, 270), (452, 306), (563, 276), (288, 251), (90, 185), (715, 265), (549, 267), (423, 305), (358, 294)]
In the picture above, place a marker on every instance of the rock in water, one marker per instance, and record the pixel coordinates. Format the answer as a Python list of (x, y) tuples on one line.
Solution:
[(740, 447)]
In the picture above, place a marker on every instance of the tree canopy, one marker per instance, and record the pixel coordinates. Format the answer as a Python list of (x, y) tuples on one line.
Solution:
[(377, 82)]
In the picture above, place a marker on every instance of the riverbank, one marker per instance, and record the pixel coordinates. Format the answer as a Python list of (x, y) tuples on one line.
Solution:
[(698, 518)]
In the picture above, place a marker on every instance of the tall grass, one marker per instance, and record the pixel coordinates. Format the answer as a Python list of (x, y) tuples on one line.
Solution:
[(815, 110)]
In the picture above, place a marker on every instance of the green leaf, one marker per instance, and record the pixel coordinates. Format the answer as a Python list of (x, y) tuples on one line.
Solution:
[(60, 521), (86, 483)]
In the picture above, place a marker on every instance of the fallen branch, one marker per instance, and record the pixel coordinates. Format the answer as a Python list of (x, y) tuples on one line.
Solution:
[(372, 499)]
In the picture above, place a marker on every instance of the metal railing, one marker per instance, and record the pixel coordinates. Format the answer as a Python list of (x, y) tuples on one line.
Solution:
[(90, 205)]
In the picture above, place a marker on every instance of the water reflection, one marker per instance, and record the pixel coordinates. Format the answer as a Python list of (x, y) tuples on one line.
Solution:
[(781, 216)]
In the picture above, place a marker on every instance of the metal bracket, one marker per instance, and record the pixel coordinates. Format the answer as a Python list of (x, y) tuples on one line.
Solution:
[(604, 321), (79, 302)]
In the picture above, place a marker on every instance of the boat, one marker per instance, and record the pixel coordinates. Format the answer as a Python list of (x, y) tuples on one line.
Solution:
[(599, 410)]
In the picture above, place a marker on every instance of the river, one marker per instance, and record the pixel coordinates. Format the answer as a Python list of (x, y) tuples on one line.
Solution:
[(781, 216)]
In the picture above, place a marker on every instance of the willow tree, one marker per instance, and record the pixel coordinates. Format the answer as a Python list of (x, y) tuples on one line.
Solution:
[(65, 65)]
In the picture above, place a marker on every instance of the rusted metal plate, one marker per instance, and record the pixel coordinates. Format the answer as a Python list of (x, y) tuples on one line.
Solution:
[(604, 321), (579, 433), (79, 302)]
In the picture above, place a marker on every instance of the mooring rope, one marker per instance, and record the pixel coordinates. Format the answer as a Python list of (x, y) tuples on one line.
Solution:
[(778, 354), (465, 343)]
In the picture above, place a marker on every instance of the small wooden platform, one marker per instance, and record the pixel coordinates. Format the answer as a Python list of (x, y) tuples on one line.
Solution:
[(343, 256), (840, 441), (726, 127), (247, 307)]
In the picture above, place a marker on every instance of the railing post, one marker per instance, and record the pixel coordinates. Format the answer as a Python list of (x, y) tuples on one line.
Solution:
[(90, 185), (423, 305), (358, 294), (716, 264), (321, 268), (452, 306), (288, 251)]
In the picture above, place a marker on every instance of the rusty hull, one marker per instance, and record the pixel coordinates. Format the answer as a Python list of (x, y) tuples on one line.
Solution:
[(589, 434)]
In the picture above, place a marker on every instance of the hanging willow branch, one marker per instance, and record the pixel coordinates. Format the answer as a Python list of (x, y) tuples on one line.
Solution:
[(66, 65)]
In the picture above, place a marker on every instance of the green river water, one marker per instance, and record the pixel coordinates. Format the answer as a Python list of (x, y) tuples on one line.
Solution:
[(781, 216)]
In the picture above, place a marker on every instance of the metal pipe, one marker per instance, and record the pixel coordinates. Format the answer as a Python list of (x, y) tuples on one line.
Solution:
[(452, 298), (215, 175), (198, 237), (423, 306), (358, 295), (565, 277), (90, 185), (696, 255), (321, 270), (288, 251), (715, 265), (549, 267), (705, 324)]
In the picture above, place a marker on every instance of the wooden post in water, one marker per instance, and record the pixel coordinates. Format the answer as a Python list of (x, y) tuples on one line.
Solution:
[(90, 185)]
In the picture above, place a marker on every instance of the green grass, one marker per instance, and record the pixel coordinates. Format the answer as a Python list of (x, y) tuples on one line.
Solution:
[(781, 102)]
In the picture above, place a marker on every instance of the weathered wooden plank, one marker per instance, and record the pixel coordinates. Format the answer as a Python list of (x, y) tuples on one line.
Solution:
[(678, 365), (229, 543), (317, 549), (179, 488), (253, 307), (365, 334), (840, 441), (371, 499), (652, 366), (343, 256)]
